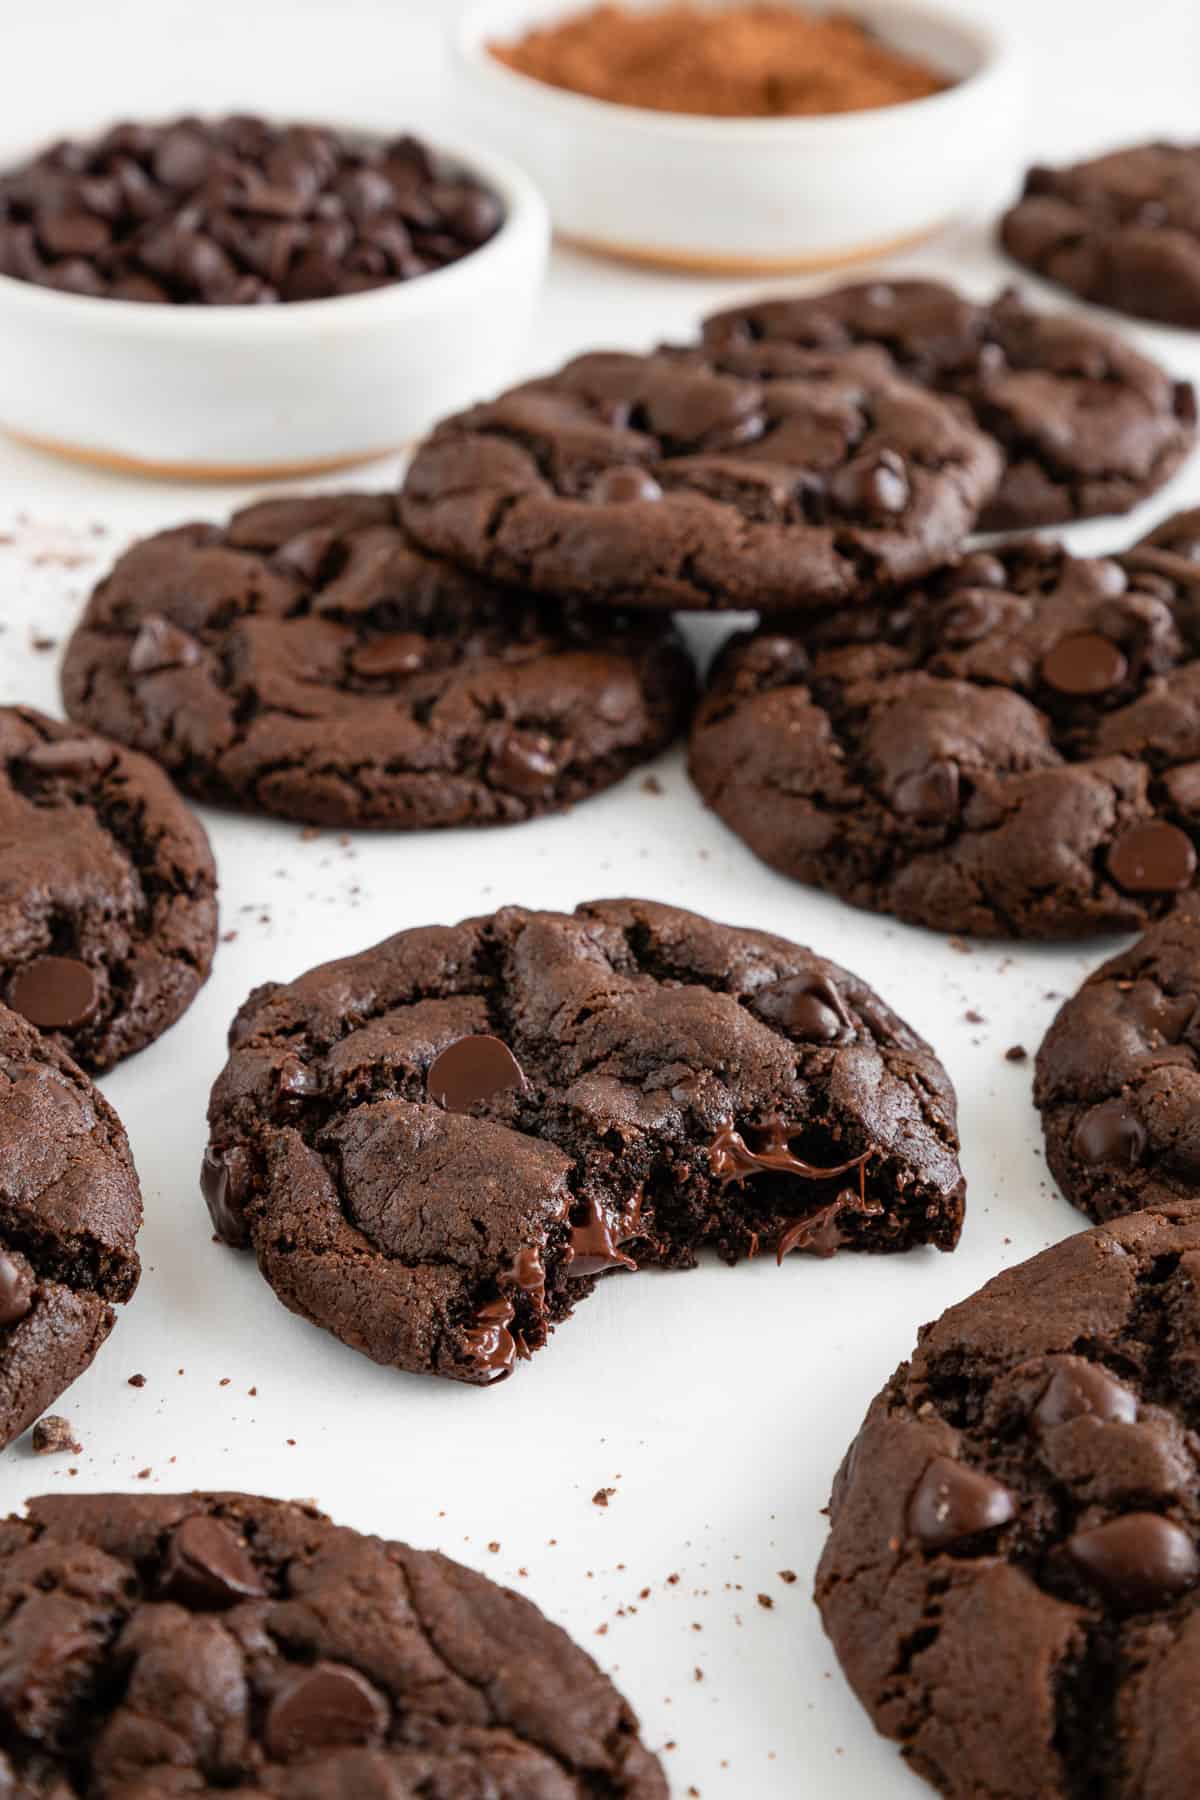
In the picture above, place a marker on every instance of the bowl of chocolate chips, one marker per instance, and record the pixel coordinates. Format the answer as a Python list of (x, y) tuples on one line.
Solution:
[(236, 297)]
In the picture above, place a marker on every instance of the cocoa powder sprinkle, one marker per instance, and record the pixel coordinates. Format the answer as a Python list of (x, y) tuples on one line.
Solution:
[(741, 61)]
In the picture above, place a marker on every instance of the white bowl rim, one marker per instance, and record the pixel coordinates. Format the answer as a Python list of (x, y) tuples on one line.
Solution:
[(524, 210), (994, 48)]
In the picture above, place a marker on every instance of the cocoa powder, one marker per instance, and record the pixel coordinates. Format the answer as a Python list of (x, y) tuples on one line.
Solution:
[(739, 61)]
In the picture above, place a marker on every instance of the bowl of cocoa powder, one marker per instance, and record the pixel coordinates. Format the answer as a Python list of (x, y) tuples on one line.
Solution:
[(745, 136)]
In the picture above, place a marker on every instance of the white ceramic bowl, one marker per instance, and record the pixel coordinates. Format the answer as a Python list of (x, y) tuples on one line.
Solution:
[(752, 195), (242, 392)]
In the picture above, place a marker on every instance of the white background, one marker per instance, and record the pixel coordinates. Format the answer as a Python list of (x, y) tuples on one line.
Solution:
[(716, 1403)]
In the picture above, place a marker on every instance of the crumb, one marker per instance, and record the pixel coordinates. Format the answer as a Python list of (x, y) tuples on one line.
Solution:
[(144, 1474), (672, 1580), (310, 833), (253, 1393), (54, 1434), (602, 1631), (974, 1018), (228, 937), (493, 1547), (602, 1496), (697, 1674), (961, 945), (290, 1441), (138, 1381), (788, 1575), (1018, 1053), (224, 1381), (41, 643), (766, 1602), (652, 785)]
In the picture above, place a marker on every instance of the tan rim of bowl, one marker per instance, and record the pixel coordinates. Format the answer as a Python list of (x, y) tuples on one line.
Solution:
[(120, 463), (699, 262)]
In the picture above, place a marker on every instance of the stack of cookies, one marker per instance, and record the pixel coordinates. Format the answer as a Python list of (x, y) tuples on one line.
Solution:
[(437, 1147)]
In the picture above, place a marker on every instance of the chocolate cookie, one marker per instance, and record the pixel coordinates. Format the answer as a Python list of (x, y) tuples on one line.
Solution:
[(70, 1208), (307, 660), (674, 480), (1084, 423), (1011, 750), (218, 1643), (1118, 1075), (1010, 1581), (1122, 230), (437, 1145), (108, 909)]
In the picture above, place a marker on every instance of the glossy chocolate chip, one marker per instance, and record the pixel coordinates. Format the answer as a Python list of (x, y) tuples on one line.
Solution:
[(16, 1289), (403, 653), (1079, 1389), (1110, 1133), (624, 485), (928, 796), (161, 645), (807, 1007), (207, 1568), (872, 485), (55, 993), (524, 763), (595, 1245), (224, 1182), (1153, 858), (1084, 664), (490, 1344), (473, 1070), (952, 1502), (322, 1708), (1139, 1560)]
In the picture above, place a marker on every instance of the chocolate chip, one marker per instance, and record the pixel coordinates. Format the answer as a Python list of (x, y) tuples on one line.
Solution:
[(1110, 1133), (624, 485), (182, 158), (872, 485), (225, 1184), (594, 1246), (402, 653), (968, 617), (1139, 1560), (928, 796), (490, 1344), (322, 1708), (161, 645), (55, 993), (73, 234), (1079, 1389), (473, 1070), (952, 1502), (807, 1007), (1084, 664), (1152, 858), (206, 1568), (524, 763), (16, 1289)]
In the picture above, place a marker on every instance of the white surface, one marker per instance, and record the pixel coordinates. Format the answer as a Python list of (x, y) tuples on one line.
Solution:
[(716, 1403), (265, 388), (753, 192)]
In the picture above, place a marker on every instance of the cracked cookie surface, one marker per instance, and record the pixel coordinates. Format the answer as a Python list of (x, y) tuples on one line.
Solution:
[(307, 660), (221, 1643), (108, 907), (1085, 424), (436, 1146), (1118, 1075), (1121, 230), (670, 480), (1010, 1579), (70, 1209), (1011, 750)]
